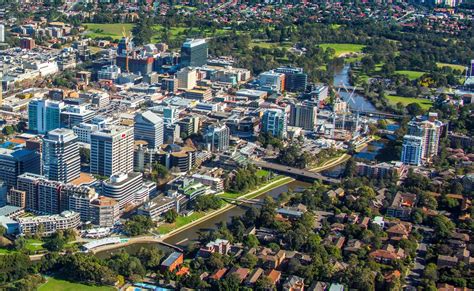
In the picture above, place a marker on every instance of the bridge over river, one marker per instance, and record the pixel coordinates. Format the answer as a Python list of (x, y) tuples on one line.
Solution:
[(299, 174)]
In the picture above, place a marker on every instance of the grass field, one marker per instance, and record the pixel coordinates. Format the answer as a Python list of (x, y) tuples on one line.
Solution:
[(343, 48), (113, 30), (412, 75), (424, 103), (180, 221), (181, 31), (453, 66), (34, 245), (54, 284)]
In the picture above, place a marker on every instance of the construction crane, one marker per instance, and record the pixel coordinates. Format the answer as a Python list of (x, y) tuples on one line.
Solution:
[(128, 40)]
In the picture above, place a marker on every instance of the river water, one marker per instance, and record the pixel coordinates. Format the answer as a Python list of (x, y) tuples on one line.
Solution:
[(357, 102), (191, 235)]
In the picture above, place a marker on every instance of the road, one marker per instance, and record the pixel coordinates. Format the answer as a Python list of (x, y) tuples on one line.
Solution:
[(414, 276)]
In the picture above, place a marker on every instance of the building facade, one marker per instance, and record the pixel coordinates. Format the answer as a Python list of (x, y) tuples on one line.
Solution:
[(149, 127), (61, 160), (112, 151)]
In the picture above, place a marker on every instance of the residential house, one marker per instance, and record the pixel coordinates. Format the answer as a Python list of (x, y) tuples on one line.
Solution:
[(293, 283)]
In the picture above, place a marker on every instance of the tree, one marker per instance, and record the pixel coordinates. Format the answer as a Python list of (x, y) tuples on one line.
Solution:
[(3, 230), (414, 109), (138, 224), (251, 241), (264, 284), (249, 261), (443, 226), (85, 155), (431, 273), (171, 215), (8, 130), (55, 242)]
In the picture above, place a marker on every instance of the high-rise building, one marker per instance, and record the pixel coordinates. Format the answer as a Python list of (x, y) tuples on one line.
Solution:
[(13, 163), (16, 198), (272, 81), (44, 115), (194, 53), (187, 78), (123, 187), (304, 115), (49, 196), (78, 199), (170, 114), (27, 43), (274, 121), (2, 33), (412, 150), (28, 183), (295, 79), (112, 151), (104, 211), (172, 133), (189, 125), (149, 127), (73, 115), (61, 160), (84, 131), (429, 128), (217, 137)]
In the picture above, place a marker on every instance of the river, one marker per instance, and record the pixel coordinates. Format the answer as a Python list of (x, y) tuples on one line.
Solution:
[(358, 102), (191, 235)]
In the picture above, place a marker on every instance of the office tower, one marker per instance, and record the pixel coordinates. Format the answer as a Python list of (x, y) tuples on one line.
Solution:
[(84, 131), (104, 211), (194, 53), (412, 150), (61, 160), (272, 81), (2, 33), (44, 115), (169, 84), (274, 122), (73, 115), (217, 137), (304, 115), (189, 125), (429, 129), (149, 127), (170, 114), (112, 151), (123, 187), (173, 156), (13, 163), (27, 43), (187, 78), (172, 133), (295, 79)]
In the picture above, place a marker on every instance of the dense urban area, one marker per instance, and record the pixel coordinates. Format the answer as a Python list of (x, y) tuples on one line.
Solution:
[(236, 145)]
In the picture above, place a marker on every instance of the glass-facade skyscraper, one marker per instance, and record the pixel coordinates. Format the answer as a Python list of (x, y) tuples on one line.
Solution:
[(194, 53)]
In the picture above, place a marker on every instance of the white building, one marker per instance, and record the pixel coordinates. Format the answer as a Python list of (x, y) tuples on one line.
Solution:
[(49, 223), (84, 131)]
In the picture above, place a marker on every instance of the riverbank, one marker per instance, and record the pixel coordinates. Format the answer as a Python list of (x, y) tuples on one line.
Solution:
[(331, 163), (252, 194)]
